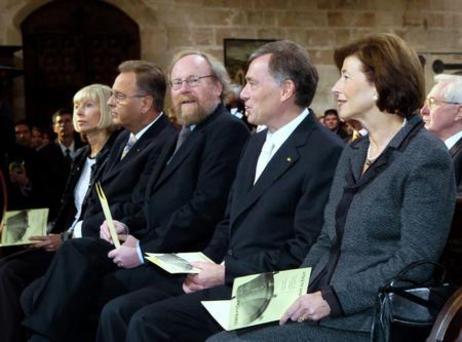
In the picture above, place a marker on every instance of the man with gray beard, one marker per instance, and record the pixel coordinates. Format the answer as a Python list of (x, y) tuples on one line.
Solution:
[(178, 209)]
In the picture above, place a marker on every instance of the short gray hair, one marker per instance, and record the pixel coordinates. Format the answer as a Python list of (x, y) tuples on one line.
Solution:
[(450, 87)]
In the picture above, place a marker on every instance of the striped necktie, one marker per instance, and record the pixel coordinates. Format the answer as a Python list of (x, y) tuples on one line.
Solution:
[(131, 141)]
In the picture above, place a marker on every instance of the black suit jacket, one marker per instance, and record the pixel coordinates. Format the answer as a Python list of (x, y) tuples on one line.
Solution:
[(187, 193), (121, 176), (271, 225), (53, 172), (67, 210), (456, 154)]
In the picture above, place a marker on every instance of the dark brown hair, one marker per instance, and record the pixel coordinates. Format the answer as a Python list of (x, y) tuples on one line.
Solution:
[(393, 67), (149, 78), (290, 61)]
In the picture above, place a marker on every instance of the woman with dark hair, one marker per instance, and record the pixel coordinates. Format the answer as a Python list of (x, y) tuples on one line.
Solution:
[(93, 119), (390, 204)]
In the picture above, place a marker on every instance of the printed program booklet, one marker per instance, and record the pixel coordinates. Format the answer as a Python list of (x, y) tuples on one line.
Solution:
[(19, 225), (259, 298), (177, 262)]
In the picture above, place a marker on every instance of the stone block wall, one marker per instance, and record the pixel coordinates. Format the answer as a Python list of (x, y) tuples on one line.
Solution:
[(430, 26)]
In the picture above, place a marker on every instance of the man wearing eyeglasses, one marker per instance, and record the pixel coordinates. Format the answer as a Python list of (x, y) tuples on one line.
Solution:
[(442, 114), (176, 209), (136, 104)]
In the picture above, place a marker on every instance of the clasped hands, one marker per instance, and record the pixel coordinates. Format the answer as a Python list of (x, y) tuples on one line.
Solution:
[(125, 256)]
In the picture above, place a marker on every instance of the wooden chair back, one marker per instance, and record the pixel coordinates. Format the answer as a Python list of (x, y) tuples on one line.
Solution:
[(448, 324)]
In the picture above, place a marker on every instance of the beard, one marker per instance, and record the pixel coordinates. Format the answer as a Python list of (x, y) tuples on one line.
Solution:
[(189, 111)]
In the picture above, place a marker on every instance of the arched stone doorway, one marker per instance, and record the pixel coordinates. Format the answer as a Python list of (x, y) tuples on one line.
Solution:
[(70, 44)]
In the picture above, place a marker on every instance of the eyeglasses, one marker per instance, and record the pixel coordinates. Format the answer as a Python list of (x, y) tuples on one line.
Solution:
[(431, 103), (191, 81), (119, 97)]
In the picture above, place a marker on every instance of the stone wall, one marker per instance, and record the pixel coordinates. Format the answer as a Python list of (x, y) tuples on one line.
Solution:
[(430, 26)]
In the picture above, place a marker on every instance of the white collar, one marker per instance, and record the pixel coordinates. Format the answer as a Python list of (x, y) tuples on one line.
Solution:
[(140, 133), (452, 140), (283, 133)]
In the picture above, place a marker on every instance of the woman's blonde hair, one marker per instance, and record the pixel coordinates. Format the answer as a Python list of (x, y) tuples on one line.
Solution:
[(99, 93)]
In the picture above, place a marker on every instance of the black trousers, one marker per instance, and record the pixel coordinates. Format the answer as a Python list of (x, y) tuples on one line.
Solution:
[(17, 271), (160, 313), (64, 305)]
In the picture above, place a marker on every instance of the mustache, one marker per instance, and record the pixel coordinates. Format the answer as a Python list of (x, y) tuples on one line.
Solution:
[(185, 98)]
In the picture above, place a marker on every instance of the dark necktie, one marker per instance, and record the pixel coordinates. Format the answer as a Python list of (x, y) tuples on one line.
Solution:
[(182, 136), (67, 157)]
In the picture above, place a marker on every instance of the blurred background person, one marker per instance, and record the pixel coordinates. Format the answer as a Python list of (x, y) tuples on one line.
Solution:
[(23, 133), (332, 121), (55, 160), (442, 114), (37, 140)]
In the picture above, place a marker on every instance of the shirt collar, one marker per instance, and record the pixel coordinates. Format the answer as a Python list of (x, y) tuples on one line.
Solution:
[(282, 134), (452, 140), (63, 148), (140, 133)]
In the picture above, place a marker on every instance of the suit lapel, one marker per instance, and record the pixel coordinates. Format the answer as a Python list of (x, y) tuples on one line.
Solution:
[(456, 149), (178, 158), (243, 185), (284, 159), (167, 168), (139, 146), (114, 157)]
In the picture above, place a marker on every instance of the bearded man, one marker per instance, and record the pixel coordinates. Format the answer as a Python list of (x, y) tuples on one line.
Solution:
[(178, 209)]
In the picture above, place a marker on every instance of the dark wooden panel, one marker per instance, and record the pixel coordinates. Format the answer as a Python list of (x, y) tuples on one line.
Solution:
[(70, 44)]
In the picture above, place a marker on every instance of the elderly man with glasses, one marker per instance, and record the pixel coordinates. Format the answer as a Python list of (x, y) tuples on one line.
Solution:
[(442, 114), (176, 209)]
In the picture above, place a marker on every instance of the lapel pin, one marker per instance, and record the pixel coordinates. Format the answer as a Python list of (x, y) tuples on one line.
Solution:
[(289, 159)]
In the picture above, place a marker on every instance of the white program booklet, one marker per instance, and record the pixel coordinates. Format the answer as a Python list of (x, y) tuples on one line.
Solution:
[(259, 298), (177, 262), (19, 225)]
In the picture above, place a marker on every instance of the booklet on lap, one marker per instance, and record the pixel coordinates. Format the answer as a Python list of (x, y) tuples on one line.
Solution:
[(259, 298), (19, 225), (177, 262)]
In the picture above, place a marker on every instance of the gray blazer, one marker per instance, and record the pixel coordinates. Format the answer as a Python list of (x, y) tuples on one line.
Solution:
[(401, 216)]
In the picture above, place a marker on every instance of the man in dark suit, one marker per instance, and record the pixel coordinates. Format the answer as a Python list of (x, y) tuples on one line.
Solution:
[(274, 213), (442, 114), (55, 160), (182, 202), (136, 103)]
